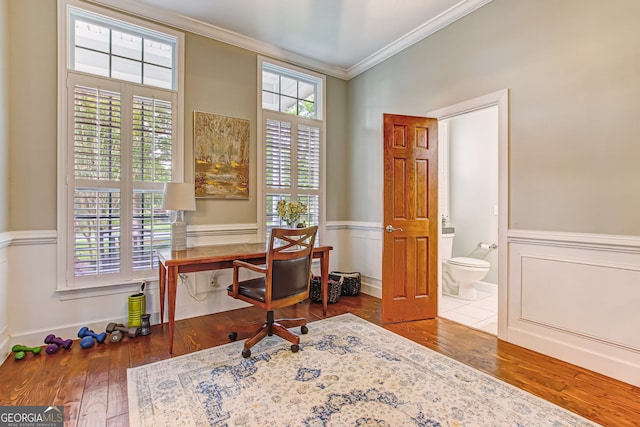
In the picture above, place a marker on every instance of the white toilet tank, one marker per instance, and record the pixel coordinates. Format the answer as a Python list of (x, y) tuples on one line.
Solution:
[(446, 246)]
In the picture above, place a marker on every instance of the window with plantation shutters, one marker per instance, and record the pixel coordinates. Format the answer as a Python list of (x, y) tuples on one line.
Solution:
[(278, 154), (151, 156), (96, 196), (121, 148), (292, 140)]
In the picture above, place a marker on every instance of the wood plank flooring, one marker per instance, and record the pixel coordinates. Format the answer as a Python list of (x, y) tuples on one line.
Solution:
[(92, 384)]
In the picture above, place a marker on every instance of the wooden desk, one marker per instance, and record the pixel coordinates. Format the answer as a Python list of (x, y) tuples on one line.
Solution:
[(216, 257)]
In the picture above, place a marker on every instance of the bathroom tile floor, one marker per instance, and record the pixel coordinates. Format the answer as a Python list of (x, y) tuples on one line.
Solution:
[(479, 314)]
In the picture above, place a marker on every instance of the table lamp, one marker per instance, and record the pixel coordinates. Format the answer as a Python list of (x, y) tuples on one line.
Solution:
[(178, 197)]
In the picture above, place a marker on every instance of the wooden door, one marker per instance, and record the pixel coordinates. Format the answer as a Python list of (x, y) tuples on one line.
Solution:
[(410, 250)]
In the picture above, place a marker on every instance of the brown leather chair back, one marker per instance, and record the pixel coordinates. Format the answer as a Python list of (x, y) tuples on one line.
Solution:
[(289, 259)]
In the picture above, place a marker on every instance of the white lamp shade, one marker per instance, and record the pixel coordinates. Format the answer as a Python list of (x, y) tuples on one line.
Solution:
[(179, 196)]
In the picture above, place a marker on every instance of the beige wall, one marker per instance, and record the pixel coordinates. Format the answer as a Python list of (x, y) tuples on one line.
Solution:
[(572, 68), (4, 116), (32, 152), (337, 150), (219, 78)]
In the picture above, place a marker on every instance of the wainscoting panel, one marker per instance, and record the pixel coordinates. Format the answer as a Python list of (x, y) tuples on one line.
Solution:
[(34, 308), (364, 255), (570, 296), (549, 283), (576, 297), (359, 248), (5, 348)]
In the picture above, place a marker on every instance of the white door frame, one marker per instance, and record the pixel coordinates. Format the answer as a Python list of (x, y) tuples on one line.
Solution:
[(501, 100)]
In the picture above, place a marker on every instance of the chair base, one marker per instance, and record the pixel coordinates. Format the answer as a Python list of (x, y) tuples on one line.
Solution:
[(280, 327)]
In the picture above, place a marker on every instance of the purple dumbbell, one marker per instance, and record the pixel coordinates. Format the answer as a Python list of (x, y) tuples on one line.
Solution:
[(55, 343)]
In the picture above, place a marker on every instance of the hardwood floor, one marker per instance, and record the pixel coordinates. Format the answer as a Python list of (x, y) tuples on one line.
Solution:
[(92, 384)]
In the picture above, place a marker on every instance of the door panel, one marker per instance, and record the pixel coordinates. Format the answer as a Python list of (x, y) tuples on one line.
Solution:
[(410, 255)]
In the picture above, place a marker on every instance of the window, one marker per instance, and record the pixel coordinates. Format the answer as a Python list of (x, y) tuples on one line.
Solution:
[(292, 142), (111, 48), (118, 146)]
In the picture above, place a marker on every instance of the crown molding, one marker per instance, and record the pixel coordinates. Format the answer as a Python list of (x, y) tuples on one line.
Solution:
[(461, 9), (449, 16), (195, 26)]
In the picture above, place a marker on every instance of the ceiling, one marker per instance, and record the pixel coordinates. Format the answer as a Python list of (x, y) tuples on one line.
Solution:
[(338, 37)]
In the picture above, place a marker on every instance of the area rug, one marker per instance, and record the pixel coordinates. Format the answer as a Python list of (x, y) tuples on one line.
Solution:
[(348, 372)]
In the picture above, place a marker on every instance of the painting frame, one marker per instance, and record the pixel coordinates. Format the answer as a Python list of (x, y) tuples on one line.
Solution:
[(221, 156)]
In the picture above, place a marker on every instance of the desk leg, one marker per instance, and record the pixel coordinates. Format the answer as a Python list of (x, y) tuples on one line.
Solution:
[(162, 283), (172, 288), (324, 274)]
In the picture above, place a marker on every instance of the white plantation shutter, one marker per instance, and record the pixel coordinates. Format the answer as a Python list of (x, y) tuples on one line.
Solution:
[(151, 229), (278, 154), (96, 133), (152, 154), (309, 171), (97, 232), (122, 149), (292, 166), (96, 199), (309, 157), (312, 217), (152, 139)]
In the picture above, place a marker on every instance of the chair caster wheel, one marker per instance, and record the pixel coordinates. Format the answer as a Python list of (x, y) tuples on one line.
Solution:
[(233, 336), (295, 348), (246, 353), (304, 329)]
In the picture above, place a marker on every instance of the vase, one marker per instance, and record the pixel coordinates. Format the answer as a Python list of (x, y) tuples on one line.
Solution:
[(292, 223)]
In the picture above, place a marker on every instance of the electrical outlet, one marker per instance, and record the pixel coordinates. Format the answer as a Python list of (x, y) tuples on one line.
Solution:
[(213, 282)]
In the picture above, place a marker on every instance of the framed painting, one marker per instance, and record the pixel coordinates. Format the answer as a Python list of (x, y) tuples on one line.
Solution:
[(221, 152)]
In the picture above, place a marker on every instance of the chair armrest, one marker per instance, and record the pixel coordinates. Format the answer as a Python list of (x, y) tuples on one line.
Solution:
[(248, 265), (236, 267)]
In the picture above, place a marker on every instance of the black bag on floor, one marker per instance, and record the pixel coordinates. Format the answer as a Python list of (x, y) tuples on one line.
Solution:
[(333, 292), (351, 282)]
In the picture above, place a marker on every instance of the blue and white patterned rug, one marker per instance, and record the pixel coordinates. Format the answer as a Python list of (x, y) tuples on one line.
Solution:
[(348, 372)]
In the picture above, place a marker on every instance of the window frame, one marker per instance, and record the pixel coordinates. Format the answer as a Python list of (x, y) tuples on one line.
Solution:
[(65, 234), (320, 122)]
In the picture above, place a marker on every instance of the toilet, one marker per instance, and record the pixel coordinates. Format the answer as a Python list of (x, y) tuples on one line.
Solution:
[(460, 274)]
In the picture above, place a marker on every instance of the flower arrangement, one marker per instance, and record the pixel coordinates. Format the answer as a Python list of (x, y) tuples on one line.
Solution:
[(290, 212)]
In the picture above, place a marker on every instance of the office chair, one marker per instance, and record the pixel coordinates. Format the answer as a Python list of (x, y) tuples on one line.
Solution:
[(284, 282)]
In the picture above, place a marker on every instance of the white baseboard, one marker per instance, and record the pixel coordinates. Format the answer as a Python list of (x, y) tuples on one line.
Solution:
[(5, 345), (371, 286), (36, 338), (490, 288)]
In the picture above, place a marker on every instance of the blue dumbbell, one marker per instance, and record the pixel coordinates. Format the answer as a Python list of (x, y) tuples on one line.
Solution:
[(88, 337)]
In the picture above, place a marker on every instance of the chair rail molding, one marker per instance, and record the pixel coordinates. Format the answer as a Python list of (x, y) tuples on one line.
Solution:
[(5, 239), (29, 237), (354, 225), (221, 229), (611, 242)]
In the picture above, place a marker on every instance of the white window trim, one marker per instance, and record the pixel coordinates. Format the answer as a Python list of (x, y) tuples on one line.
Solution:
[(63, 161), (262, 188)]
